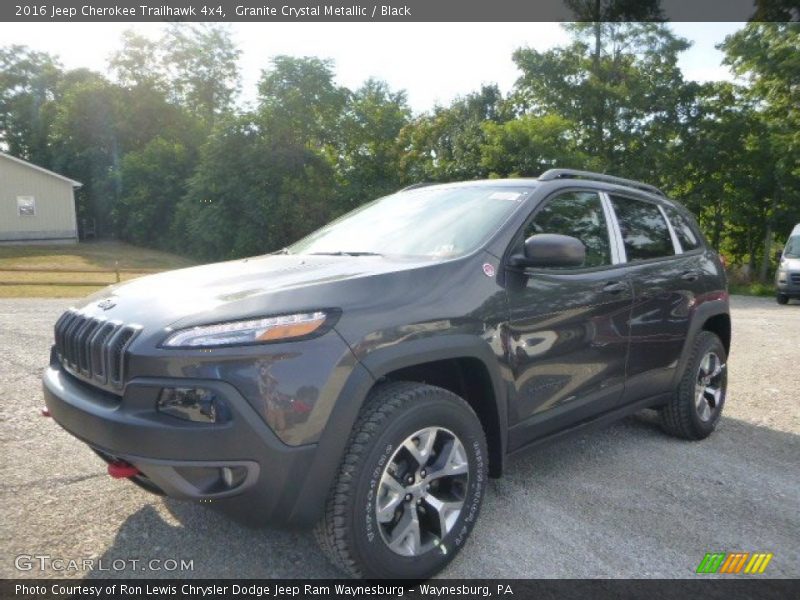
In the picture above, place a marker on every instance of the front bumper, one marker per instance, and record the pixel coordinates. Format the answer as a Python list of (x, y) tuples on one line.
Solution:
[(788, 283), (184, 459)]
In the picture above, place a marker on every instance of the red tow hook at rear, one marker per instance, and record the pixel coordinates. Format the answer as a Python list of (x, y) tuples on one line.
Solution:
[(119, 469)]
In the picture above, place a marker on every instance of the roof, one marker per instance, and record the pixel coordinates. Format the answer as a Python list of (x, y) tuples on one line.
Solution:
[(74, 183), (571, 175)]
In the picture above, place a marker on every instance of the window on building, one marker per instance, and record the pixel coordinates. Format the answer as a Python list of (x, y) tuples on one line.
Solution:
[(26, 206)]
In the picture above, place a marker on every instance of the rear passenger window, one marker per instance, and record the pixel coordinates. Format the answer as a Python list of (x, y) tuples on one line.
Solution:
[(687, 236), (644, 230), (579, 214)]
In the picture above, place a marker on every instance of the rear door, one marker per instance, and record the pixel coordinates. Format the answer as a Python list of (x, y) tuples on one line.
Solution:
[(666, 281), (566, 340)]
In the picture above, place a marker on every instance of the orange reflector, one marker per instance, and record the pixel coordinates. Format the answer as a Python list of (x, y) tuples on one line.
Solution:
[(291, 330)]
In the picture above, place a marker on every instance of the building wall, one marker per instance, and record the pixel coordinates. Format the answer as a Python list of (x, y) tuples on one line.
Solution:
[(54, 200)]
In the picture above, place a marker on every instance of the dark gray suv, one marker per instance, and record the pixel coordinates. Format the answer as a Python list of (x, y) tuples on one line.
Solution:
[(369, 378)]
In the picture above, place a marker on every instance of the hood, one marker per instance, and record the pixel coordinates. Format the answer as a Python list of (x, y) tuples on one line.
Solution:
[(239, 289), (790, 264)]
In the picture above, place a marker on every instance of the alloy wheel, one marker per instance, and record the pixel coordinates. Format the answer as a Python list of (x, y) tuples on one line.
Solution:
[(709, 386), (422, 491)]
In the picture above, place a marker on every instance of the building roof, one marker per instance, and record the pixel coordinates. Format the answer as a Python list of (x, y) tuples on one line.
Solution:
[(74, 183)]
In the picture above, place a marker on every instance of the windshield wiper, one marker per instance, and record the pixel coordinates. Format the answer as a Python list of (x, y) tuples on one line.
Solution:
[(342, 253)]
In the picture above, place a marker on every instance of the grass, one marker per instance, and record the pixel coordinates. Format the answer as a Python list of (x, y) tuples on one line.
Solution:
[(752, 289), (42, 271)]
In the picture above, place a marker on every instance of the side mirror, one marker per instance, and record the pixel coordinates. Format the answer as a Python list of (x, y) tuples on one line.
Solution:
[(551, 250), (778, 255)]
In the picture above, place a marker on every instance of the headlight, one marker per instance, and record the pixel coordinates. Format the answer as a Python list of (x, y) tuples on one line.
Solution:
[(254, 331)]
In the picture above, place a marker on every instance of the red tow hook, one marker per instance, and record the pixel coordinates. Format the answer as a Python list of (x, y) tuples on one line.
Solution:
[(119, 469)]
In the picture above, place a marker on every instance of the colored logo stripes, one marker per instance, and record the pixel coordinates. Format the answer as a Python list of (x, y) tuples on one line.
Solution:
[(734, 562)]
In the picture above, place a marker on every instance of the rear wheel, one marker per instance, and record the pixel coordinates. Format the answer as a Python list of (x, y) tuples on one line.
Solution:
[(410, 486), (695, 408), (782, 299)]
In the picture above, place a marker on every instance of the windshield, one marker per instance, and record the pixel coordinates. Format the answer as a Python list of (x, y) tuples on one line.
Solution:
[(792, 249), (437, 222)]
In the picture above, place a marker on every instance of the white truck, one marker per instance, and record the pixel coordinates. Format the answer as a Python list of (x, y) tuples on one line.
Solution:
[(787, 277)]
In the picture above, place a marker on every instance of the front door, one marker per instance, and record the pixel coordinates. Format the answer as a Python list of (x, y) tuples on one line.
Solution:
[(566, 340)]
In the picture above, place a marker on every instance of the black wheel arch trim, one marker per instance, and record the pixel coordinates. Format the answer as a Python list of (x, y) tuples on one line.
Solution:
[(707, 310), (367, 372)]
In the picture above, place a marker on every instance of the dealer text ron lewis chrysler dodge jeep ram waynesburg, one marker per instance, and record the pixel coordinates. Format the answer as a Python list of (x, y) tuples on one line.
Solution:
[(369, 378)]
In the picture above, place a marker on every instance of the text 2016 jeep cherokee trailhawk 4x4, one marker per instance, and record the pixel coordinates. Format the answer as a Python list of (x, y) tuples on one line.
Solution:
[(369, 378)]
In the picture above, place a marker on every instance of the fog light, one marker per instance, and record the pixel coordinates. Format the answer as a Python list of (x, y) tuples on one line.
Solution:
[(192, 404)]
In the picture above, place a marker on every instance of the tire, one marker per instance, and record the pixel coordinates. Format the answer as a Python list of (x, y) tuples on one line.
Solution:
[(351, 534), (782, 299), (688, 415)]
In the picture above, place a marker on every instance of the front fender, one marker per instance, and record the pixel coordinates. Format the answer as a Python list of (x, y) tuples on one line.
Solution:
[(370, 369)]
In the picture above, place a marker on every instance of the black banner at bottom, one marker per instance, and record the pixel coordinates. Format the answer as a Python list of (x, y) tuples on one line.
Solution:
[(542, 589)]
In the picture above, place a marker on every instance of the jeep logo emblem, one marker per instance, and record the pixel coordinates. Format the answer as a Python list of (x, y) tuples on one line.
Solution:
[(106, 304)]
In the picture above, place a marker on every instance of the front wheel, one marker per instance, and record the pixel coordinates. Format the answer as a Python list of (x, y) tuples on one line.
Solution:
[(410, 485), (782, 299)]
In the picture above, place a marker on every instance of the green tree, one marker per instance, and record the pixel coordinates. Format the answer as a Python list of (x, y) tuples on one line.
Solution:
[(252, 192), (529, 145), (447, 144), (767, 55), (300, 95), (719, 169), (85, 144), (367, 149), (152, 181), (626, 102), (201, 65), (29, 88), (139, 63)]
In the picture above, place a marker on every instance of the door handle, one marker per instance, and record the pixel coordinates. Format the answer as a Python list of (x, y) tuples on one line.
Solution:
[(614, 287), (690, 276)]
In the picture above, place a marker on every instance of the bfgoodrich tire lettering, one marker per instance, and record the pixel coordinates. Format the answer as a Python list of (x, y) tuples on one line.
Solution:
[(350, 533)]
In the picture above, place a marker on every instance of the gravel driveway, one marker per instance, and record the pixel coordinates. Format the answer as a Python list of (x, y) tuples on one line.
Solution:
[(627, 501)]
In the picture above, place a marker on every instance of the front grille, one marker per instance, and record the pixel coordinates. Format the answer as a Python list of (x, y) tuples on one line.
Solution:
[(93, 349), (795, 278)]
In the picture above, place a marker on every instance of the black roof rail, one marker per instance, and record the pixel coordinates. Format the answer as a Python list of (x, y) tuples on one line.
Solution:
[(552, 174), (414, 186)]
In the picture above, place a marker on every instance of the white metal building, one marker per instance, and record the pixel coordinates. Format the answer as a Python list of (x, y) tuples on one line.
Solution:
[(36, 205)]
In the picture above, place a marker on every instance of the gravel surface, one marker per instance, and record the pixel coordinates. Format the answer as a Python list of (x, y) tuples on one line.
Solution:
[(627, 501)]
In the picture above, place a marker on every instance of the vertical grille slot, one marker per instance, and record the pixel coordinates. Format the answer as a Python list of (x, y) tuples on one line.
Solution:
[(97, 351), (93, 348), (115, 357), (61, 328), (83, 346), (69, 340)]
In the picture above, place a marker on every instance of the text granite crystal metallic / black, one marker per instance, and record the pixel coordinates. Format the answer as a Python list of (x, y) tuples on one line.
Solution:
[(369, 378)]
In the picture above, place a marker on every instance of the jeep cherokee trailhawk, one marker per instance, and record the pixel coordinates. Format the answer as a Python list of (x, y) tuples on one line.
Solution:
[(369, 378)]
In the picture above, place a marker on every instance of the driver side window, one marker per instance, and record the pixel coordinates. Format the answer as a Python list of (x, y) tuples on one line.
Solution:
[(580, 215)]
